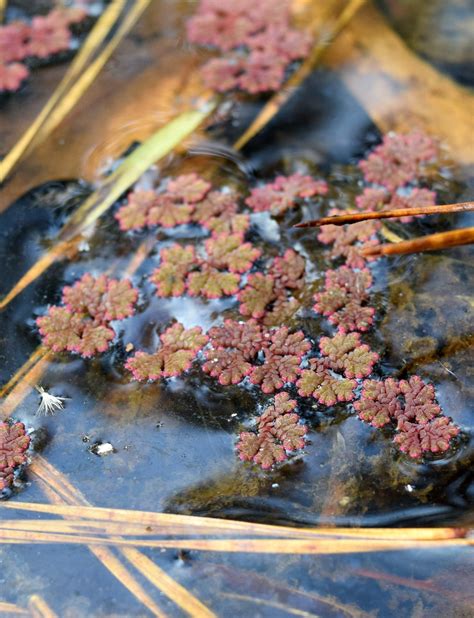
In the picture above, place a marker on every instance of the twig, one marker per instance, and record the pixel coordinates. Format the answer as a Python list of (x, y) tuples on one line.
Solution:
[(388, 214), (433, 242)]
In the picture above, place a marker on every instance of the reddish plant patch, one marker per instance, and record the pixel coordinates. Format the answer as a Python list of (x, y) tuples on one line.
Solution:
[(234, 347), (13, 446), (82, 325), (330, 378), (175, 355), (43, 37), (399, 159), (257, 40), (270, 357), (282, 359), (348, 240), (411, 406), (279, 433), (344, 299), (269, 296), (284, 192), (214, 276)]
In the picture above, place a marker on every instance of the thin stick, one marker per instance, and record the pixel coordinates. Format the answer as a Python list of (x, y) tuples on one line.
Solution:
[(388, 214), (11, 608), (278, 100), (39, 608), (178, 594), (433, 242), (287, 609), (262, 546), (188, 524)]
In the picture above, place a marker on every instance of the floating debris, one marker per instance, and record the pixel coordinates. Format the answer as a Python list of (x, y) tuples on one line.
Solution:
[(102, 449), (49, 404)]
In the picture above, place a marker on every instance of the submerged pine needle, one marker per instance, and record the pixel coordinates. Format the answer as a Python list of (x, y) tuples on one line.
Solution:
[(49, 404)]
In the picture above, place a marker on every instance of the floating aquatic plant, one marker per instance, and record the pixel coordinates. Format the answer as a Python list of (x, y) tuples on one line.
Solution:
[(270, 357), (411, 406), (279, 433), (348, 241), (285, 192), (330, 378), (14, 443), (256, 38), (82, 325), (214, 276), (282, 359), (175, 355), (234, 347), (344, 299), (399, 159), (171, 205), (269, 296), (43, 37)]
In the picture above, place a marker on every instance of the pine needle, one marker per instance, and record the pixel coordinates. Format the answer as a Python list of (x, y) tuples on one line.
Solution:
[(388, 214), (259, 546), (287, 609), (182, 597), (28, 379), (432, 242), (39, 608), (11, 608), (63, 491)]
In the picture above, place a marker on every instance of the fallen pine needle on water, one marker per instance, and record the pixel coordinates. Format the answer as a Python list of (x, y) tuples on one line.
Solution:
[(49, 404)]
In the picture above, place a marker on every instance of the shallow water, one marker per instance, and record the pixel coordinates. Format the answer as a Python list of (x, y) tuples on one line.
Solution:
[(174, 441)]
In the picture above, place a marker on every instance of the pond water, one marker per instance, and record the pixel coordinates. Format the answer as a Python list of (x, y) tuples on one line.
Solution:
[(174, 440)]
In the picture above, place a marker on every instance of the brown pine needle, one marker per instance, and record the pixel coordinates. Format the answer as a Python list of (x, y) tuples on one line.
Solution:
[(86, 79), (65, 492), (39, 608), (58, 494), (278, 100), (433, 242), (24, 369), (167, 523), (61, 96), (387, 214), (11, 608), (287, 609), (182, 597), (23, 388), (261, 546)]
